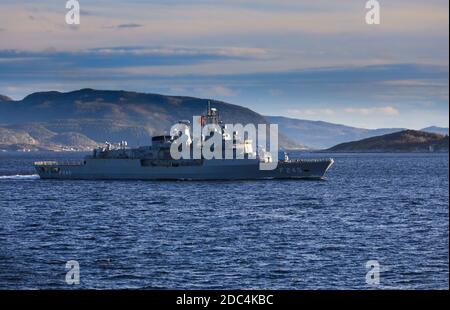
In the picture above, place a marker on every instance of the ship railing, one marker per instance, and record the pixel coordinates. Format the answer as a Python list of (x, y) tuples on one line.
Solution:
[(59, 163), (310, 160)]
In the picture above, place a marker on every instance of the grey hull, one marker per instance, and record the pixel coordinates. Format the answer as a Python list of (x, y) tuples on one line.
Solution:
[(133, 169)]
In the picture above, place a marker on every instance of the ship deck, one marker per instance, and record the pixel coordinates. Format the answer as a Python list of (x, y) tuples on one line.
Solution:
[(59, 163)]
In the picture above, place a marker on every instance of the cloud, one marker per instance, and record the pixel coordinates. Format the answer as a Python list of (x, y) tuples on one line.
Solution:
[(311, 112), (275, 92), (130, 25), (289, 25), (229, 52), (387, 110), (125, 60), (215, 91), (415, 83)]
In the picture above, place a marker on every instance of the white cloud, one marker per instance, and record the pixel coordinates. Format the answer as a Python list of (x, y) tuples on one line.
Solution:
[(310, 112), (215, 91), (257, 53), (387, 110), (415, 83)]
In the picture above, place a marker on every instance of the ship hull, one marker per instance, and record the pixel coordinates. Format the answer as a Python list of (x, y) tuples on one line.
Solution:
[(135, 169)]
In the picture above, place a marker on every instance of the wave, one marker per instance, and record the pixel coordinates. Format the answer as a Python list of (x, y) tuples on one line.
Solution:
[(20, 177)]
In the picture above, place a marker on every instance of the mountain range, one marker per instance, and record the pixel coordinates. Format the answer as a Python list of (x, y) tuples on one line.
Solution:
[(323, 135), (83, 119), (403, 141)]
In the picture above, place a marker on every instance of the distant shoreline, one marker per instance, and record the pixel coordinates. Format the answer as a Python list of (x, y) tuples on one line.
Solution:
[(287, 151)]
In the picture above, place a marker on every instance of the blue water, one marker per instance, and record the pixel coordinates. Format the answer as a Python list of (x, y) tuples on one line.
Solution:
[(230, 235)]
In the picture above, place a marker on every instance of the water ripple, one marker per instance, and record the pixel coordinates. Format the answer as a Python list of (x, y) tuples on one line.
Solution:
[(230, 235)]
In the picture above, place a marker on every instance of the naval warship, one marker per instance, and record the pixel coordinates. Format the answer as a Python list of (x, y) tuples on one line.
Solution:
[(155, 162)]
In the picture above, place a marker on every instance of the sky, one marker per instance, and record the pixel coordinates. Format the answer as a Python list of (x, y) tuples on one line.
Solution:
[(316, 60)]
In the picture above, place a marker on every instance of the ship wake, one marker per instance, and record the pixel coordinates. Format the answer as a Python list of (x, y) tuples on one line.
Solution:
[(20, 177)]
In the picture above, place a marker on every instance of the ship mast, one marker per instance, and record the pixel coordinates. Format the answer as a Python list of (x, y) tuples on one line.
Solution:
[(212, 115)]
